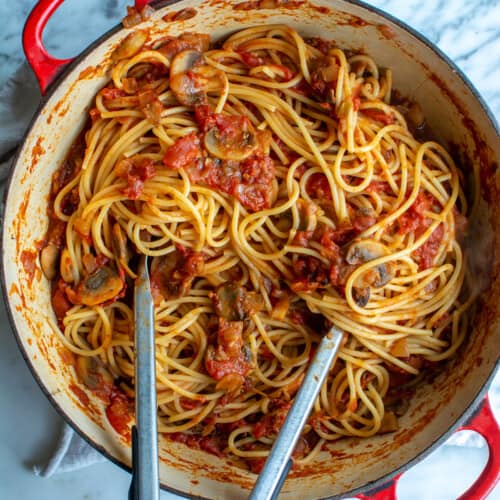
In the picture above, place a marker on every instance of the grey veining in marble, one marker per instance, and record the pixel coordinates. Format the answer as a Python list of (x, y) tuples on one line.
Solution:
[(468, 31)]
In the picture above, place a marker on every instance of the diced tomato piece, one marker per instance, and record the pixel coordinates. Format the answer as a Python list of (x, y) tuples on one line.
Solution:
[(204, 116), (428, 251), (378, 187), (119, 412), (414, 220), (250, 59), (60, 304), (379, 116), (363, 221), (183, 152), (136, 171), (318, 188)]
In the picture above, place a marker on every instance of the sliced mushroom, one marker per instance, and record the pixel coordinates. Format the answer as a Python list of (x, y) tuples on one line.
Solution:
[(48, 260), (191, 78), (102, 285), (66, 267), (364, 251), (229, 301), (234, 303), (185, 77), (361, 295), (231, 146), (130, 45), (92, 372), (173, 274)]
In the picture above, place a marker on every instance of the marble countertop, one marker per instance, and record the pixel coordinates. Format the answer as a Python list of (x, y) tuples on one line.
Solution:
[(467, 30)]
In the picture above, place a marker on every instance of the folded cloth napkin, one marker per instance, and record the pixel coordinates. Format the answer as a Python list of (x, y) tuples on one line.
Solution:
[(71, 453), (18, 101)]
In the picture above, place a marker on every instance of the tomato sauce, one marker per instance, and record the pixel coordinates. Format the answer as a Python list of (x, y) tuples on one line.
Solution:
[(119, 412), (135, 172), (379, 116), (29, 259), (183, 152), (428, 251), (318, 187)]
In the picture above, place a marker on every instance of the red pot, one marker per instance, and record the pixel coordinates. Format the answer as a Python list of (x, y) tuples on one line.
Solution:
[(456, 113)]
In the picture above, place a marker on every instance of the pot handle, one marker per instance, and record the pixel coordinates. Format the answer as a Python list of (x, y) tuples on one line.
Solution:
[(45, 67), (140, 4), (484, 423)]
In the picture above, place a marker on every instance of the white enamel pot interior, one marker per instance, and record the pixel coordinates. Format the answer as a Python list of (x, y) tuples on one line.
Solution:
[(455, 114)]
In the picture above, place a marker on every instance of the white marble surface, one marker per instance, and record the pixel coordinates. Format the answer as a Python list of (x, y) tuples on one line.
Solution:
[(468, 31)]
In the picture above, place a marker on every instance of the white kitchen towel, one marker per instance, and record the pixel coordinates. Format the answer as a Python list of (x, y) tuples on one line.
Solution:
[(71, 453), (18, 101)]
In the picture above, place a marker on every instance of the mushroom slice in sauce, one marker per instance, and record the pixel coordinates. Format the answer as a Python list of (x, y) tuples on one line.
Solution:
[(191, 78), (233, 303), (363, 251), (48, 260), (183, 82), (130, 45), (66, 267), (231, 144), (102, 285)]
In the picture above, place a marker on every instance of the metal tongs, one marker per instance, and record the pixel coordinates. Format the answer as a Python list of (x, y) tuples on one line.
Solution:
[(279, 461), (145, 484)]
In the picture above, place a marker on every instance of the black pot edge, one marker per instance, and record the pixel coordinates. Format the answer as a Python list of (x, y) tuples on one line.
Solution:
[(372, 487)]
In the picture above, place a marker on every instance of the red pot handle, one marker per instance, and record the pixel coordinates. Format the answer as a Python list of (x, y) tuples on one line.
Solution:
[(484, 423), (45, 66), (140, 4)]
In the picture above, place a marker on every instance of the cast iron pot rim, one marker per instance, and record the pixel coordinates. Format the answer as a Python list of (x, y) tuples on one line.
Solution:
[(369, 488)]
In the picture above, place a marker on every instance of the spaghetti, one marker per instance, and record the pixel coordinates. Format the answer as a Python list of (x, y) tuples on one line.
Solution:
[(279, 187)]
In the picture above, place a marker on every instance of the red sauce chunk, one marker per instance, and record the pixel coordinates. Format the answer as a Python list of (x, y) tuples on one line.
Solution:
[(318, 188), (250, 59), (228, 357), (414, 220), (428, 251), (119, 413), (60, 303), (271, 423), (135, 171), (379, 116), (209, 444), (183, 152)]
